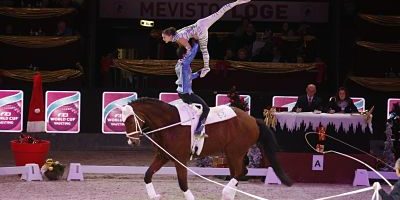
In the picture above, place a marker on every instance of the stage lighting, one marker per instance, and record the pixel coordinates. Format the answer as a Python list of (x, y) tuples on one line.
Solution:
[(146, 23)]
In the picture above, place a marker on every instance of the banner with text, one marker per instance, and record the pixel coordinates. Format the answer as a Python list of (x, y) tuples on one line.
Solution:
[(223, 99), (11, 110), (168, 97), (390, 105), (112, 115), (63, 111), (284, 101), (283, 11)]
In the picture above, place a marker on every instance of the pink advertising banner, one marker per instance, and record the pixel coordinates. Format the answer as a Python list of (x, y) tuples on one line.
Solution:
[(11, 110), (390, 105), (284, 101), (359, 102), (168, 97), (112, 115), (223, 99), (63, 111)]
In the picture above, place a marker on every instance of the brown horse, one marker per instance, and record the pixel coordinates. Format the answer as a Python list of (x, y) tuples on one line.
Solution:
[(233, 137)]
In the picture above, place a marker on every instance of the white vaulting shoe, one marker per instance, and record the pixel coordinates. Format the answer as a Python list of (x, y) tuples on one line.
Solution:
[(242, 1), (204, 71)]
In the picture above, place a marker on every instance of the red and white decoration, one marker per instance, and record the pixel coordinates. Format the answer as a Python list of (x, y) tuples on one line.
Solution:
[(36, 107)]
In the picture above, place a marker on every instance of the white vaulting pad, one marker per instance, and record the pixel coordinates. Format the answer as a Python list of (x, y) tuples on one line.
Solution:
[(216, 114)]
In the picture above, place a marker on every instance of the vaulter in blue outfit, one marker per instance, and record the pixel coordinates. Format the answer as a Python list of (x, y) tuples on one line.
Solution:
[(184, 82)]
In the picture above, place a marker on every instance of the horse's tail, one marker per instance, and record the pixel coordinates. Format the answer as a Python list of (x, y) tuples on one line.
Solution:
[(270, 146)]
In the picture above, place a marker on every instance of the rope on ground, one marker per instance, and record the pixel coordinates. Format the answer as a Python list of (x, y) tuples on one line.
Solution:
[(347, 193), (375, 196)]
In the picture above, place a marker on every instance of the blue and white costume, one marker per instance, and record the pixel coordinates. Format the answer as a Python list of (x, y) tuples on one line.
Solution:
[(184, 72), (184, 82)]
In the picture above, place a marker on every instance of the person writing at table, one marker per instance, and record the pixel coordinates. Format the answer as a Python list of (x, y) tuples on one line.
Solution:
[(342, 103), (309, 102)]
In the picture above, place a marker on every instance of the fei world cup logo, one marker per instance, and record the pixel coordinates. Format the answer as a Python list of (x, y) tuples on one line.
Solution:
[(11, 110), (63, 111), (112, 115)]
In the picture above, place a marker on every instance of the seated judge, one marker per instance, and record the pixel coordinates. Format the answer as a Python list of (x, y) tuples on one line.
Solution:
[(342, 103), (309, 102)]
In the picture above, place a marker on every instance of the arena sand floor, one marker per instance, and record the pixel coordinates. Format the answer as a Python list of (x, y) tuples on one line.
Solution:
[(124, 187)]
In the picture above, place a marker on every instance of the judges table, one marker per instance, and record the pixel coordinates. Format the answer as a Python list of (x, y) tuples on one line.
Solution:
[(350, 128)]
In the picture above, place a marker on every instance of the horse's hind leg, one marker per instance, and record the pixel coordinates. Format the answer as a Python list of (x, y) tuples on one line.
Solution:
[(182, 179), (236, 166), (157, 163)]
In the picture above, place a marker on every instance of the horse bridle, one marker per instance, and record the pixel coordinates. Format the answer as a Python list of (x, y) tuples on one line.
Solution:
[(127, 111)]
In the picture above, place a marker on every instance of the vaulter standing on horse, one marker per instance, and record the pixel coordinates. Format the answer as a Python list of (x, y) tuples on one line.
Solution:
[(184, 82), (198, 31)]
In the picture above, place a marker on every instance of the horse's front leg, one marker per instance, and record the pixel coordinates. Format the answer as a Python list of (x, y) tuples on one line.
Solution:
[(157, 163), (182, 179), (236, 166)]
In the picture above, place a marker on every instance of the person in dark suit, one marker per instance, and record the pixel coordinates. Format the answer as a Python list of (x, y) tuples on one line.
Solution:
[(342, 103), (309, 102)]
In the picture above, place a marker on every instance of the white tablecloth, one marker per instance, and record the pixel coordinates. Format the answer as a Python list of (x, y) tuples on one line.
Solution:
[(292, 120)]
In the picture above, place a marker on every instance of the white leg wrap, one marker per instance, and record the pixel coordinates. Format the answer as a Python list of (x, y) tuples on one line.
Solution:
[(228, 193), (151, 192), (188, 195)]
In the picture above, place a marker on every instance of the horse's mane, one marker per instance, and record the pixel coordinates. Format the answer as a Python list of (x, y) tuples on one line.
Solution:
[(148, 100)]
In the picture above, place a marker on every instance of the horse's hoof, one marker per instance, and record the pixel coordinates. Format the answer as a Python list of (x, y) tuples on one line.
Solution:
[(228, 195), (157, 197), (227, 198)]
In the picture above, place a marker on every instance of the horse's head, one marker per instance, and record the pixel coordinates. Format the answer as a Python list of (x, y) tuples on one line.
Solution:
[(134, 123), (148, 112)]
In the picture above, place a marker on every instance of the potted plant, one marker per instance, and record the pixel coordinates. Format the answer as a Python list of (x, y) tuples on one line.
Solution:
[(53, 170), (27, 149)]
